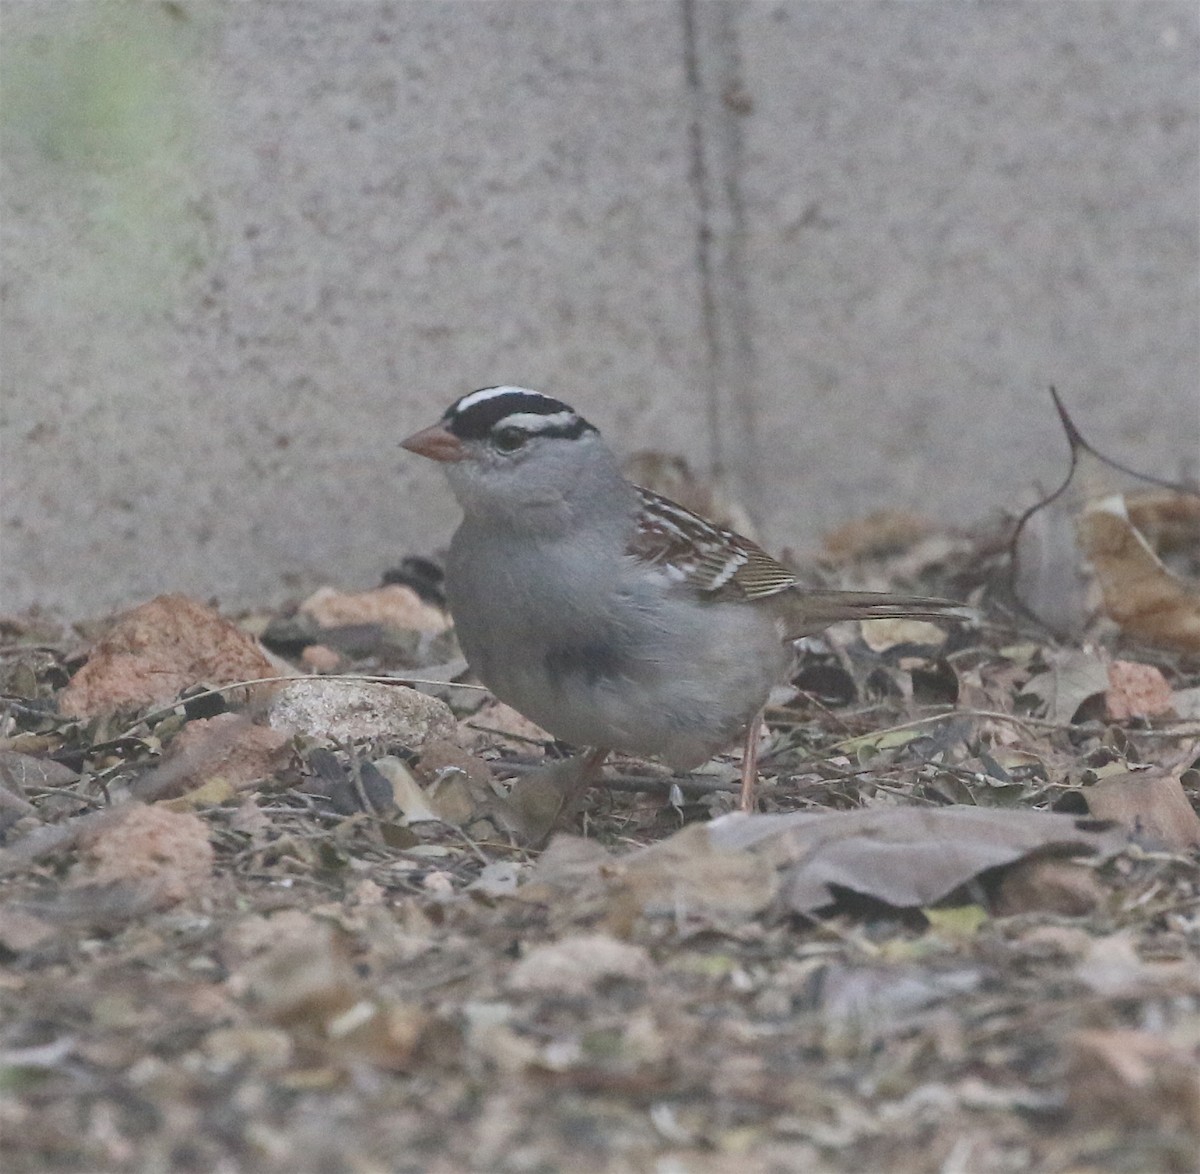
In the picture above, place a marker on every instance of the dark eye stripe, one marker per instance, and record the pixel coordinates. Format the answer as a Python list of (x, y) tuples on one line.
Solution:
[(479, 418)]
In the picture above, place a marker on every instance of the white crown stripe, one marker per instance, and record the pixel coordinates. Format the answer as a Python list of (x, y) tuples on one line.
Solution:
[(533, 422), (486, 393)]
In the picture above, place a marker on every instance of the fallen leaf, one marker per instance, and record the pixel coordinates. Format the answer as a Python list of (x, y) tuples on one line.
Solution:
[(18, 771), (547, 797), (211, 793), (1168, 517), (1153, 806), (265, 1049), (499, 721), (408, 794), (228, 749), (1140, 593), (440, 756), (1079, 551), (904, 856), (1048, 884), (874, 1001), (1074, 676), (880, 740), (692, 876), (305, 976)]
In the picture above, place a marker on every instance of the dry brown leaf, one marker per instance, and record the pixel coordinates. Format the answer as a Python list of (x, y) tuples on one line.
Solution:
[(1169, 519), (499, 721), (408, 795), (1040, 884), (1151, 805), (685, 877), (1074, 675), (307, 983), (1079, 552), (736, 867), (567, 864), (904, 856), (18, 771), (229, 748), (1140, 593), (440, 756), (692, 876), (547, 798), (153, 653)]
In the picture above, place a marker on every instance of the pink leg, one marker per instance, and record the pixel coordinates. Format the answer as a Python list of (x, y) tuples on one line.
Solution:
[(750, 763)]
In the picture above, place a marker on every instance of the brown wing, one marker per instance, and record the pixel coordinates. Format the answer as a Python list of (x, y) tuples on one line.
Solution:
[(713, 561)]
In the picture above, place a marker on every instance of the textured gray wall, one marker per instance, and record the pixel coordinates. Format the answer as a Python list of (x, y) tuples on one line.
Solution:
[(835, 250)]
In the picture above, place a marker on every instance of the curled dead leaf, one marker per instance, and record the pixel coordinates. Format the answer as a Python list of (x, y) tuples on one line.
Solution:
[(1140, 593), (903, 856), (1047, 884), (1151, 805), (1081, 549), (228, 749)]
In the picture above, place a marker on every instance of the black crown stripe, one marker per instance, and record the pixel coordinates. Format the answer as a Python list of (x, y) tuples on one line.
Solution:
[(478, 420)]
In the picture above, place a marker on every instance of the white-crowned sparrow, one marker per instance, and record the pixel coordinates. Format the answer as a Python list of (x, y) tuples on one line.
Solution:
[(609, 615)]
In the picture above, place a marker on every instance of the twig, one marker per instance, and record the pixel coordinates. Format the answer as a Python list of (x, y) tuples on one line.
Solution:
[(216, 690)]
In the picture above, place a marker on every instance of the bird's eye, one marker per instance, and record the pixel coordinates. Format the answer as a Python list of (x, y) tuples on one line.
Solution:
[(509, 439)]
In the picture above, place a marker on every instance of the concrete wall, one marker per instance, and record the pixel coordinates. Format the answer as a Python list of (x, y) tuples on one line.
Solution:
[(835, 250)]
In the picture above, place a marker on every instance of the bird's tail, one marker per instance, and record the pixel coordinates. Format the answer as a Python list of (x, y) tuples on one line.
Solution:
[(811, 611)]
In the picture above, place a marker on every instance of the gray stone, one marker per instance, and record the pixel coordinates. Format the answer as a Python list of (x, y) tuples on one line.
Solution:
[(363, 711)]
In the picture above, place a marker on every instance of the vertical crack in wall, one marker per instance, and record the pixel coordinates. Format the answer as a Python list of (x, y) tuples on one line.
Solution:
[(714, 81)]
